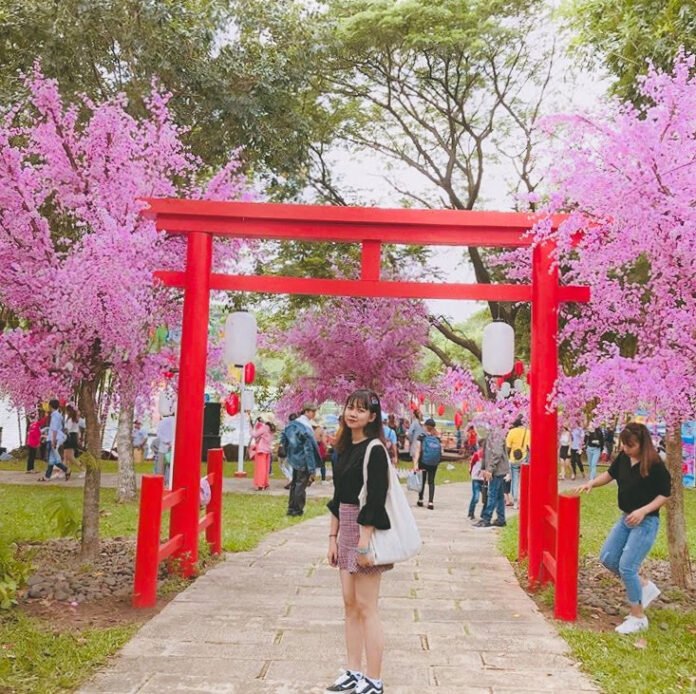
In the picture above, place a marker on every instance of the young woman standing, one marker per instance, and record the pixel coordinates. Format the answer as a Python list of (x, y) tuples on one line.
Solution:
[(644, 486), (349, 538)]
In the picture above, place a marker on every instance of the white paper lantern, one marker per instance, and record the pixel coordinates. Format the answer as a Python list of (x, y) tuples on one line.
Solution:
[(167, 403), (498, 348), (248, 403), (240, 338), (505, 389), (518, 385)]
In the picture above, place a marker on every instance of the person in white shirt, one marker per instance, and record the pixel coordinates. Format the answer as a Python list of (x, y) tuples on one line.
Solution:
[(56, 437), (139, 441), (165, 434)]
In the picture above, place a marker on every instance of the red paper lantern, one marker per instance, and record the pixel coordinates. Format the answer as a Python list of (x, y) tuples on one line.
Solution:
[(529, 378), (440, 410), (232, 404), (249, 372), (421, 398), (62, 402), (518, 368), (458, 419), (499, 382)]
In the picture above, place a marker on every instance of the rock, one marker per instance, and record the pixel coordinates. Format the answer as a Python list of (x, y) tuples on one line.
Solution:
[(61, 595)]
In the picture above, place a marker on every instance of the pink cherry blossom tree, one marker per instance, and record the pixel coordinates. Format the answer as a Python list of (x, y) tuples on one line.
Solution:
[(627, 177), (78, 257), (352, 343)]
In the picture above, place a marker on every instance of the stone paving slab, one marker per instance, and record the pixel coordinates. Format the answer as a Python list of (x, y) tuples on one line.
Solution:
[(270, 621)]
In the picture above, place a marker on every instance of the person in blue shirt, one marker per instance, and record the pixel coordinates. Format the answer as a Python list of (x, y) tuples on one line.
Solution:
[(390, 439)]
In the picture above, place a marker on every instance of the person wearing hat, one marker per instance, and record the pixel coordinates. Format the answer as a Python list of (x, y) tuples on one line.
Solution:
[(139, 441), (302, 453)]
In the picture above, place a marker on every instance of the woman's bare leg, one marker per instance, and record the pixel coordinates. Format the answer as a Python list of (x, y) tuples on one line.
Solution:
[(367, 600), (353, 626)]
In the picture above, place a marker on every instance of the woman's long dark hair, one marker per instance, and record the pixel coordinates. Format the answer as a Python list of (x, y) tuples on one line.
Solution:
[(634, 433), (368, 400)]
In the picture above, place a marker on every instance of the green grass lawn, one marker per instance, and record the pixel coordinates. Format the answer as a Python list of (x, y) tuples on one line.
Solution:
[(667, 660), (34, 657)]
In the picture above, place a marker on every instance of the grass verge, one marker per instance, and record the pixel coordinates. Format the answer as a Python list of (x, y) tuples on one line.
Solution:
[(37, 655), (658, 660)]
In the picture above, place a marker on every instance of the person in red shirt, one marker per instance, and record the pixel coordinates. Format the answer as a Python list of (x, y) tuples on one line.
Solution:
[(37, 422)]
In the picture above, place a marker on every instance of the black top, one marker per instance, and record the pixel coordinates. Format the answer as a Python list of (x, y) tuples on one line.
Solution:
[(636, 491), (595, 438), (348, 481)]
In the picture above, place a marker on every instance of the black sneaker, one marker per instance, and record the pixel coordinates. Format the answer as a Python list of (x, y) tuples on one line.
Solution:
[(367, 686), (483, 524), (419, 503), (347, 682), (497, 523)]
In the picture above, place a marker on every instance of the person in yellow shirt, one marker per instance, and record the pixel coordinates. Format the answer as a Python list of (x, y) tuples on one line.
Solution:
[(517, 446)]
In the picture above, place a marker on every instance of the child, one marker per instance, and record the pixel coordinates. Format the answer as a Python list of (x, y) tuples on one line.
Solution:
[(644, 486), (477, 481)]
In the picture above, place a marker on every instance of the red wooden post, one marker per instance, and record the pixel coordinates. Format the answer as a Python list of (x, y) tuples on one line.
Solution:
[(147, 549), (213, 533), (567, 547), (543, 483), (523, 540), (189, 414)]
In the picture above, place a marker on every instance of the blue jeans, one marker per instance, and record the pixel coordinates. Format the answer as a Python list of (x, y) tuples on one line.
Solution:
[(515, 480), (593, 453), (496, 500), (624, 550), (476, 486), (53, 460)]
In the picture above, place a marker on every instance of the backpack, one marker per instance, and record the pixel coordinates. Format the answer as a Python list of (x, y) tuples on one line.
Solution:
[(431, 451)]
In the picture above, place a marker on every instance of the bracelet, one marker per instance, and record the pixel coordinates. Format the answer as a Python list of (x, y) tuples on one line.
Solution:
[(362, 550), (333, 535)]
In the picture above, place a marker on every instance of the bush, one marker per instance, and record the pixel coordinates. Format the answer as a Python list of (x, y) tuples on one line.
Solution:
[(64, 516), (13, 573)]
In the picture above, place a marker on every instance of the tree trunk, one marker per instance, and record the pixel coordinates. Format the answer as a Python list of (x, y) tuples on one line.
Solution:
[(127, 490), (92, 460), (679, 561)]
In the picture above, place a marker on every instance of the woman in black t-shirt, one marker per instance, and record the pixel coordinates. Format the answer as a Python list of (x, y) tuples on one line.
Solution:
[(349, 539), (644, 486)]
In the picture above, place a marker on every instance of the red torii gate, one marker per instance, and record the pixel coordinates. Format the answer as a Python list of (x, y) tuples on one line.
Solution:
[(552, 552)]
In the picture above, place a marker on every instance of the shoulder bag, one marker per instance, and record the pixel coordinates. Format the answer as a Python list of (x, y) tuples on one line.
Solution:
[(402, 541)]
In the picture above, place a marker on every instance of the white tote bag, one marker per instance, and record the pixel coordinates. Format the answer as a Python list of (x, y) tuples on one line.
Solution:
[(402, 541)]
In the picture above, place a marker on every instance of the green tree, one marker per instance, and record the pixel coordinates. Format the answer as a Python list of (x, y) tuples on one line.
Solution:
[(624, 34)]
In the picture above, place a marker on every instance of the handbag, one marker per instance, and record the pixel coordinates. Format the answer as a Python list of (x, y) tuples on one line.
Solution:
[(402, 541), (414, 481)]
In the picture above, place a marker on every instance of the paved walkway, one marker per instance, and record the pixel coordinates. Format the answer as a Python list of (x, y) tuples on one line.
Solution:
[(270, 620)]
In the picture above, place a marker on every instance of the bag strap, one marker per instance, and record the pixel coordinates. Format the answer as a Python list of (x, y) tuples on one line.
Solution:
[(524, 437), (366, 460)]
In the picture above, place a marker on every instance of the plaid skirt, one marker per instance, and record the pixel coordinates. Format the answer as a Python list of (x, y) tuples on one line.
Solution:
[(348, 538)]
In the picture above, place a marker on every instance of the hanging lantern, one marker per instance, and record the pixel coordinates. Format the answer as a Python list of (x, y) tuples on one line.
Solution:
[(499, 382), (518, 385), (529, 378), (232, 404), (498, 348), (412, 405), (518, 368), (240, 338), (62, 402), (421, 398), (458, 419), (249, 372), (440, 410), (505, 389)]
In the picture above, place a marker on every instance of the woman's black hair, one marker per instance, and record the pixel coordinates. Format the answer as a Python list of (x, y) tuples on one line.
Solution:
[(369, 400)]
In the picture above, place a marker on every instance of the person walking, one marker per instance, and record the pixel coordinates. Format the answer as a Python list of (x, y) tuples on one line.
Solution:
[(349, 539), (37, 422), (595, 446), (414, 431), (139, 438), (644, 485), (517, 444), (477, 481), (564, 452), (262, 442), (302, 454), (577, 438), (56, 437), (496, 466), (391, 442), (72, 440), (427, 457)]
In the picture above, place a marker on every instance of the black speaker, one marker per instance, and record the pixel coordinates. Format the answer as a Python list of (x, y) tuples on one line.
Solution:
[(211, 419), (208, 443)]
